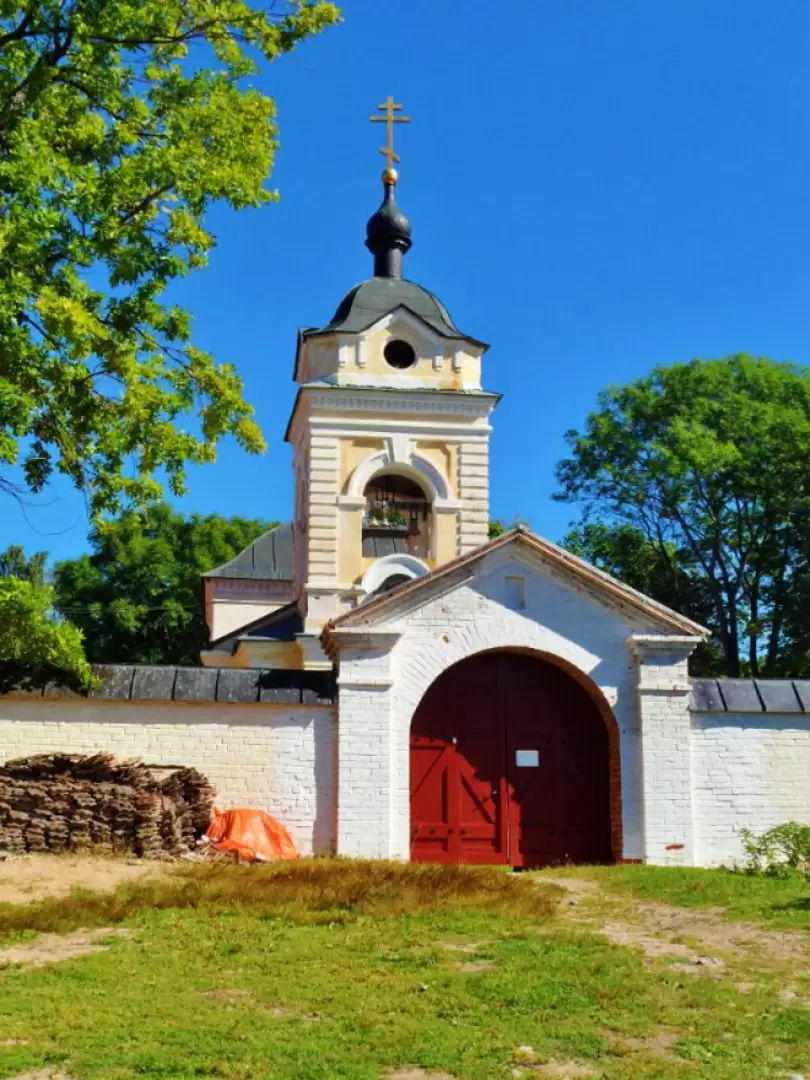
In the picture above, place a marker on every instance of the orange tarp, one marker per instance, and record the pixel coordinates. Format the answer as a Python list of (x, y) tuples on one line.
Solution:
[(253, 835)]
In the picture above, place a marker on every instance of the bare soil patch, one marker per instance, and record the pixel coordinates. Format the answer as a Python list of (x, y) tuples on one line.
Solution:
[(226, 994), (659, 1044), (36, 877), (529, 1065), (41, 1074), (52, 948), (475, 967), (565, 1070), (418, 1074), (662, 930), (468, 947)]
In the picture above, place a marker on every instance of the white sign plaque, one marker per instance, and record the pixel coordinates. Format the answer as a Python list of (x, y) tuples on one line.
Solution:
[(527, 759)]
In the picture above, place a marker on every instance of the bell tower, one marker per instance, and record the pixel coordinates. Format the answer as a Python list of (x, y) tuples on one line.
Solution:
[(390, 430)]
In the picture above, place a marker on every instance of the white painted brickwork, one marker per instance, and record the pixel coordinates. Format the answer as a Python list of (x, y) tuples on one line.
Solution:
[(384, 676), (749, 770), (278, 758), (663, 704), (690, 780)]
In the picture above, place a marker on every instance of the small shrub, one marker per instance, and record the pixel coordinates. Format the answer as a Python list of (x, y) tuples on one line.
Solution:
[(781, 851)]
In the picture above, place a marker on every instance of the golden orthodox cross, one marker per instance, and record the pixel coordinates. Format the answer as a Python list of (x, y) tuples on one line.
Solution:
[(390, 118)]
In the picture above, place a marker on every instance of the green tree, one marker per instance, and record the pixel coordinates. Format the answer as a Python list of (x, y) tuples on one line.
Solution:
[(121, 124), (137, 596), (15, 563), (670, 577), (34, 645), (498, 526), (709, 462)]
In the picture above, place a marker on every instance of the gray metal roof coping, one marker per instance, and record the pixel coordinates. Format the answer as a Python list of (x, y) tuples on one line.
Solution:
[(740, 695), (144, 682), (750, 696)]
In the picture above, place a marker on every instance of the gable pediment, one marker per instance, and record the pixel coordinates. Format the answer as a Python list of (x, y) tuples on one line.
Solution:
[(521, 554)]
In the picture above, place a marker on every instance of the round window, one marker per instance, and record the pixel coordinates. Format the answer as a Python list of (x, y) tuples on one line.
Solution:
[(399, 354)]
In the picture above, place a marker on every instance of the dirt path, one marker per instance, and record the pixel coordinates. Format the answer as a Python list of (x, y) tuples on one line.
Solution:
[(51, 948), (699, 941), (28, 879)]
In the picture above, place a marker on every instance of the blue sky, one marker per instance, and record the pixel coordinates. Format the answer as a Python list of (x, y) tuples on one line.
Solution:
[(595, 188)]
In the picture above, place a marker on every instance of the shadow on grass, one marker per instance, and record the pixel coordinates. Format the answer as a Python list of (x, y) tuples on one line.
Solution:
[(305, 891), (802, 904)]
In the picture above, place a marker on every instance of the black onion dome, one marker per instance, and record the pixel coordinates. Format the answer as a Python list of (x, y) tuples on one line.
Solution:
[(388, 237), (371, 300), (388, 227)]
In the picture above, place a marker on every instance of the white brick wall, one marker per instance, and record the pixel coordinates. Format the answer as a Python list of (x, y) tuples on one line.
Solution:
[(280, 758), (663, 703), (467, 618), (749, 770)]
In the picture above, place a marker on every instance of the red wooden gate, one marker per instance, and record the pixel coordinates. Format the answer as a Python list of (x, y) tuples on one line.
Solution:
[(509, 764)]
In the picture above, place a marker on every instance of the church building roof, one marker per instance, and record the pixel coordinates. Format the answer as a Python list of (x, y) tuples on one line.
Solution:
[(270, 557), (369, 301), (388, 238)]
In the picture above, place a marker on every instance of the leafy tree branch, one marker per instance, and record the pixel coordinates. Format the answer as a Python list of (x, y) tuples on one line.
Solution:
[(121, 124)]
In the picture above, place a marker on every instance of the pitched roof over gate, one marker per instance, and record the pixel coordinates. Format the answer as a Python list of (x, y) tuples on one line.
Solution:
[(563, 561)]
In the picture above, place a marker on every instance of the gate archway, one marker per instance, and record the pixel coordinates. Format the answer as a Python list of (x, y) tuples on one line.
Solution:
[(512, 760)]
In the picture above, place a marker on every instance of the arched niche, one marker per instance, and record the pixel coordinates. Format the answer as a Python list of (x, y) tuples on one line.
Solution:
[(398, 516), (413, 465), (392, 566)]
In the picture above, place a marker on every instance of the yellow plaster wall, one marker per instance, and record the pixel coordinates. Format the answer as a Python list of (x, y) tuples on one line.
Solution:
[(468, 377), (353, 452), (446, 526), (445, 457), (322, 356), (350, 533), (266, 654)]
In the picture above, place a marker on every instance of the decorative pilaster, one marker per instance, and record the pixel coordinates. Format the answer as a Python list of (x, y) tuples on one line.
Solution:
[(324, 469), (663, 690), (473, 489), (365, 749)]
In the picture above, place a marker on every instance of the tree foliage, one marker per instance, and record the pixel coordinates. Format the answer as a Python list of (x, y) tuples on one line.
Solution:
[(14, 563), (137, 597), (121, 123), (498, 526), (671, 578), (708, 462), (34, 645)]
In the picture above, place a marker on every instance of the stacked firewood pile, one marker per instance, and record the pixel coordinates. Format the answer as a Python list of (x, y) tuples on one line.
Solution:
[(69, 802)]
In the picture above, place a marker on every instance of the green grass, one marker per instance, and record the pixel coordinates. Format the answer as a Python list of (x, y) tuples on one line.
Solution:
[(784, 903), (340, 970)]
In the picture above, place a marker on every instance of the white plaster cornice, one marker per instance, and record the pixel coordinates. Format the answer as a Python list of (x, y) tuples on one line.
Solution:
[(339, 411), (364, 637), (656, 648), (366, 399)]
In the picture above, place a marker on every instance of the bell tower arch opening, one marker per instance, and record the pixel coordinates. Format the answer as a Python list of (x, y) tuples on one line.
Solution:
[(397, 517)]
